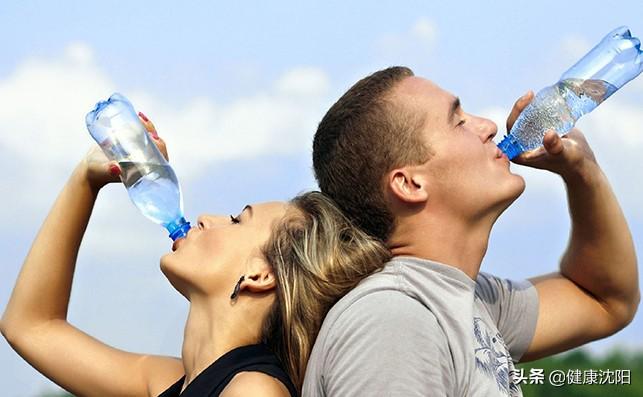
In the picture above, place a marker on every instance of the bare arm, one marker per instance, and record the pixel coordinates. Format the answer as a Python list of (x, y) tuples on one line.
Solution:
[(595, 293), (34, 321)]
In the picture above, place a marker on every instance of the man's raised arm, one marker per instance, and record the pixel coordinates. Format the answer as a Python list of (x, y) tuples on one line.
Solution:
[(595, 293)]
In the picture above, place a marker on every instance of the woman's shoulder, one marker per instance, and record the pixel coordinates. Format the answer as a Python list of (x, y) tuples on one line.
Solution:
[(252, 383)]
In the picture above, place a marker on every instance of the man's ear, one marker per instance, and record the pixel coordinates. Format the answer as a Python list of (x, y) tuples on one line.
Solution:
[(408, 185), (259, 277)]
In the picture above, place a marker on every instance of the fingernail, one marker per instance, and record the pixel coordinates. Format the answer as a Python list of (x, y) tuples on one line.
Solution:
[(154, 134), (144, 117), (114, 170)]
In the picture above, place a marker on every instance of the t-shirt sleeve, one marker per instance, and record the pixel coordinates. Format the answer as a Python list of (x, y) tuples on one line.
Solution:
[(514, 308), (386, 344)]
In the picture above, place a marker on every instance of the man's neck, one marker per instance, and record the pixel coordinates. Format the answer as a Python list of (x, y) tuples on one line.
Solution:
[(452, 242), (210, 332)]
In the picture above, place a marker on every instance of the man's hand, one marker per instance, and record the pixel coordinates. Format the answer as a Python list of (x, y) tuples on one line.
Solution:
[(568, 156)]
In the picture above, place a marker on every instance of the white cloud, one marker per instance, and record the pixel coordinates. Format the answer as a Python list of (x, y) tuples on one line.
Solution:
[(424, 30), (422, 37), (614, 132), (280, 120), (44, 101), (42, 107), (79, 53), (42, 132), (305, 81), (635, 86)]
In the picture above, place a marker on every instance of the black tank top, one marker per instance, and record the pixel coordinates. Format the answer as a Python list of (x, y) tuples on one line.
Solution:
[(212, 381)]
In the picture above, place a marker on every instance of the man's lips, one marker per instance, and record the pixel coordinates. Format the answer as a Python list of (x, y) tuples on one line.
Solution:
[(501, 155)]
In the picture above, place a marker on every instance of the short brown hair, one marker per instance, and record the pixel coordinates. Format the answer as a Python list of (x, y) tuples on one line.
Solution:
[(363, 136)]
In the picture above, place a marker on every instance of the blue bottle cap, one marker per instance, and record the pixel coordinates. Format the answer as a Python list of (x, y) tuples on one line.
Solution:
[(510, 146), (178, 228)]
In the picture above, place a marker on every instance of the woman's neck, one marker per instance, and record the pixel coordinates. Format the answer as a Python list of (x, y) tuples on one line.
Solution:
[(211, 331)]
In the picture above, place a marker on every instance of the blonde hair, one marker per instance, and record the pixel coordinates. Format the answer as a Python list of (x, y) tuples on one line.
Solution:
[(317, 256)]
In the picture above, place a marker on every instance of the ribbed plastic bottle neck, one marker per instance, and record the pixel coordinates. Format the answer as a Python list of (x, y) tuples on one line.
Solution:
[(510, 146), (178, 229)]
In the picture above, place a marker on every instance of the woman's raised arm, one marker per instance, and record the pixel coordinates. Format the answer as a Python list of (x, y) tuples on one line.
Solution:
[(35, 319)]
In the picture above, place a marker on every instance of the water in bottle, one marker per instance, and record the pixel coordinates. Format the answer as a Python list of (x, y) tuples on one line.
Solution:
[(150, 181), (606, 68)]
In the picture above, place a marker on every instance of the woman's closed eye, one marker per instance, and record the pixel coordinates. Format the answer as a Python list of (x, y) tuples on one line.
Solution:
[(234, 219)]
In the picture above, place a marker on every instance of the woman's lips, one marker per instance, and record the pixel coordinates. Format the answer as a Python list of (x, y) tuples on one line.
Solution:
[(175, 245), (178, 241)]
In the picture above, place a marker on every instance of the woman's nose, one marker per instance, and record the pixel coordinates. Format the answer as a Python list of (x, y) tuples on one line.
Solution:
[(206, 221), (202, 221)]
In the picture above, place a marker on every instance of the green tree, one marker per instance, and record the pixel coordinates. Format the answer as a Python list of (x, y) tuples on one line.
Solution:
[(580, 366)]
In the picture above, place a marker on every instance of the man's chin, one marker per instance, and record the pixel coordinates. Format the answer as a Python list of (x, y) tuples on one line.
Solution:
[(520, 186), (516, 190), (512, 192)]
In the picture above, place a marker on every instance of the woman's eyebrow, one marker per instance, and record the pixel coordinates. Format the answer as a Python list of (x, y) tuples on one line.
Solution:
[(249, 208), (453, 108)]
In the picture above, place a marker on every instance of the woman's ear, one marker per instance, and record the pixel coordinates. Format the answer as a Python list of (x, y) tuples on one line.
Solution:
[(408, 185), (259, 278)]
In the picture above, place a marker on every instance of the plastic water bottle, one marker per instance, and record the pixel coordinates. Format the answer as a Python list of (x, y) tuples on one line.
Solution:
[(606, 68), (150, 181)]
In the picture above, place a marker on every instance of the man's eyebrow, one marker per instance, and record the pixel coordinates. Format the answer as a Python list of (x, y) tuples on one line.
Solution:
[(453, 108)]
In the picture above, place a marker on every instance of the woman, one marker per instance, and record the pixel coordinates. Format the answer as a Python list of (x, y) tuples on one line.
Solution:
[(259, 285)]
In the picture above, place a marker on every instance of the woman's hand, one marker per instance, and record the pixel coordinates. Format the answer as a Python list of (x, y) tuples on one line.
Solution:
[(99, 171)]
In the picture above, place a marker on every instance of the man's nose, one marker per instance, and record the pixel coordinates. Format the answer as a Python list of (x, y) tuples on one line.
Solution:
[(487, 129)]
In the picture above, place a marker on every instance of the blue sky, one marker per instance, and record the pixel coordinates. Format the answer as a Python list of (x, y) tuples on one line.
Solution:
[(236, 90)]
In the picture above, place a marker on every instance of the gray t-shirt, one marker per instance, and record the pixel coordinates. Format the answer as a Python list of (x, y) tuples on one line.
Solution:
[(421, 328)]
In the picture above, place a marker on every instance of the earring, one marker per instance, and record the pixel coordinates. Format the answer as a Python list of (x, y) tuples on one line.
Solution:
[(237, 287)]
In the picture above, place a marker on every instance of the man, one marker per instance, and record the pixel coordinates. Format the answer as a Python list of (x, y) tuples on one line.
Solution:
[(407, 164)]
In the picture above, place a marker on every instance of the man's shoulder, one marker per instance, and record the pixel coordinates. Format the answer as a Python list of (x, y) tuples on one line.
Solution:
[(379, 302), (379, 319), (370, 293), (381, 323), (374, 328), (491, 289)]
